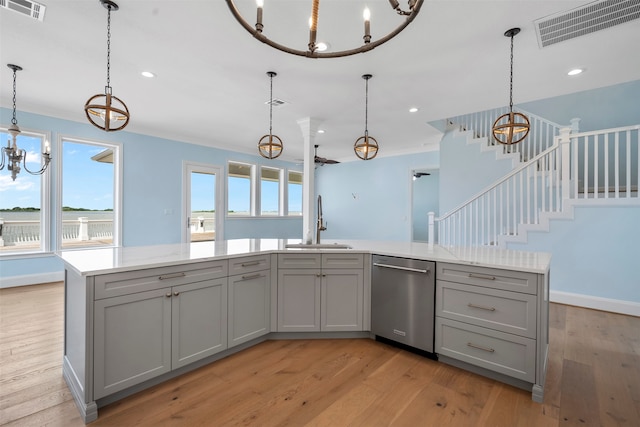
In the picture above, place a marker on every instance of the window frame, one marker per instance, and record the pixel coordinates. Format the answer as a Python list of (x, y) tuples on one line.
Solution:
[(45, 199), (117, 186)]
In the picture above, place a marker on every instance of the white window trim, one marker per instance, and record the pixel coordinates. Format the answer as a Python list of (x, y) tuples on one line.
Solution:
[(188, 167)]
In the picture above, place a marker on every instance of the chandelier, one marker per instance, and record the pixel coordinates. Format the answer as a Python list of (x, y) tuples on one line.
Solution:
[(313, 50), (270, 146), (366, 147), (511, 128), (13, 155), (107, 112)]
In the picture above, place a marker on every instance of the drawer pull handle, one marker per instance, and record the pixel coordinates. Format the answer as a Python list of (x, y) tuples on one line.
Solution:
[(479, 347), (176, 293), (172, 276), (252, 276), (168, 295), (482, 276), (250, 264), (481, 307)]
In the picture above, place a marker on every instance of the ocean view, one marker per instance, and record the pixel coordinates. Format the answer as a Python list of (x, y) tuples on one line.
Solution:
[(69, 215)]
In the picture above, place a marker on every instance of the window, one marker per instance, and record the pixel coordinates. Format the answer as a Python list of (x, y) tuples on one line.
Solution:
[(89, 208), (269, 191), (239, 189), (24, 214), (294, 192)]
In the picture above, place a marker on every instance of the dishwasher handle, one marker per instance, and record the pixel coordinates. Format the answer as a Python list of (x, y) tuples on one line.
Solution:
[(397, 267)]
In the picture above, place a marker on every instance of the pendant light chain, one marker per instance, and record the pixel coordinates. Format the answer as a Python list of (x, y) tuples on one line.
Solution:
[(108, 87), (14, 121), (366, 108), (511, 78), (271, 106)]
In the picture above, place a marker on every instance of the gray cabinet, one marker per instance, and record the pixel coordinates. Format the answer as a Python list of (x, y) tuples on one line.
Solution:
[(494, 319), (324, 292), (249, 299), (140, 335)]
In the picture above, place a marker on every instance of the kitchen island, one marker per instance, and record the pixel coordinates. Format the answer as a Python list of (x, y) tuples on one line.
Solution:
[(137, 316)]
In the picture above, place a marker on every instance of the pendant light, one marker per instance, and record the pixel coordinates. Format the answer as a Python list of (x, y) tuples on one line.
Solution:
[(270, 146), (366, 147), (511, 128), (107, 112), (13, 155)]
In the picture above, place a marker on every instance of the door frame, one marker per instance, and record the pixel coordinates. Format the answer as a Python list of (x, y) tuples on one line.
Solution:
[(189, 167)]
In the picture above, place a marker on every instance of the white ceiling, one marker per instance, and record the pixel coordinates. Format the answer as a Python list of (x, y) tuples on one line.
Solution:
[(211, 84)]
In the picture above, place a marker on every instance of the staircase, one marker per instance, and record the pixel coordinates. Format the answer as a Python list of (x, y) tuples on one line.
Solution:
[(559, 169)]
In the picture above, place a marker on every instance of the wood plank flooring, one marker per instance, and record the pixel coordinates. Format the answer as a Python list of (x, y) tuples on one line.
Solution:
[(593, 380)]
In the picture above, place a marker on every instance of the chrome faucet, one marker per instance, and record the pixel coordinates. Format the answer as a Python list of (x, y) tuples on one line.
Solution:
[(319, 225)]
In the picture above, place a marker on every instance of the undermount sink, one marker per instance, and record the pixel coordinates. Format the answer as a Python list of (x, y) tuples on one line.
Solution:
[(317, 246)]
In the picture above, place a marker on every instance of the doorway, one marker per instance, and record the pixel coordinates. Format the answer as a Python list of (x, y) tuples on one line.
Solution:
[(203, 203), (425, 198)]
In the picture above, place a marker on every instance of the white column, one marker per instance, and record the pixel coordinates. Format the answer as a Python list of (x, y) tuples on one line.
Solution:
[(83, 234), (309, 128)]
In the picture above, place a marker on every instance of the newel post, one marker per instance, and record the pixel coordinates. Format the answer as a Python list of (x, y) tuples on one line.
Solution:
[(432, 220), (565, 150)]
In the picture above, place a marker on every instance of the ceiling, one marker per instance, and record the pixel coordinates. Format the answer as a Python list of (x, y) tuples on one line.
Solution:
[(211, 84)]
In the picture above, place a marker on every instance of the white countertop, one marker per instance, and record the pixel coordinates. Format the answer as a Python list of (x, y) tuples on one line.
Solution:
[(94, 261)]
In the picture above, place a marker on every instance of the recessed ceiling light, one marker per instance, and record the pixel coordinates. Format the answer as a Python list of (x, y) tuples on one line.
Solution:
[(320, 130), (413, 110), (575, 72), (322, 46), (148, 74)]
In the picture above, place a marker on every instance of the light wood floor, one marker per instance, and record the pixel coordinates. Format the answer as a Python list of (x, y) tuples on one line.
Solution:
[(593, 379)]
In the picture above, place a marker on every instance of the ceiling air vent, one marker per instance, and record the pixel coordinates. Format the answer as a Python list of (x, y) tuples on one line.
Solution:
[(587, 19), (25, 7), (276, 102)]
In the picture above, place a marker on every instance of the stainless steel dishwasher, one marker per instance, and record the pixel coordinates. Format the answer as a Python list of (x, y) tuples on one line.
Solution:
[(403, 301)]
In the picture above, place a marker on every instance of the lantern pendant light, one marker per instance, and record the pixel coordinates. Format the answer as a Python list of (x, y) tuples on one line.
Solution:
[(270, 146), (107, 112), (511, 128), (366, 147)]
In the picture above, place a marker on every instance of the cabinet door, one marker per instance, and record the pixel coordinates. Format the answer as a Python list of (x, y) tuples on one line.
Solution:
[(249, 306), (342, 300), (298, 300), (132, 340), (199, 324)]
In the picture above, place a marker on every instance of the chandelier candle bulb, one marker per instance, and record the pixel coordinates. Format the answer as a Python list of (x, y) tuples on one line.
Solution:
[(367, 24), (259, 26)]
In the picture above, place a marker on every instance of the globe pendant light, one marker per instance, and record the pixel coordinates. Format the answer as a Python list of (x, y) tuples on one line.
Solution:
[(11, 154), (107, 112), (366, 147), (511, 128), (270, 146)]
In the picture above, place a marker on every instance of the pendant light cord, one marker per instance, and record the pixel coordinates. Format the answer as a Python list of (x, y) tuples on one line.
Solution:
[(271, 107), (366, 107), (14, 121), (511, 79), (107, 89)]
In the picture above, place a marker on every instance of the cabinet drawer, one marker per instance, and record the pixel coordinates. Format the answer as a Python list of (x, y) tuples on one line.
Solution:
[(115, 284), (488, 277), (497, 351), (511, 312), (299, 261), (343, 260), (249, 264)]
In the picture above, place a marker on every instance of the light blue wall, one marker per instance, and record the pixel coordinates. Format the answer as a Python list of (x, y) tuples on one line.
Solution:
[(370, 199), (465, 169), (426, 190), (152, 183), (594, 254)]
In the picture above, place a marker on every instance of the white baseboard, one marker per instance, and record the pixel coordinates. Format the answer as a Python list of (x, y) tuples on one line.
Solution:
[(598, 303), (31, 279)]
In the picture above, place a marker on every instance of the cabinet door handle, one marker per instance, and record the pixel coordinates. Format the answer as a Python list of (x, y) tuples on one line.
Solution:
[(480, 347), (250, 264), (252, 276), (481, 307), (176, 293), (482, 276), (168, 295), (172, 276)]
